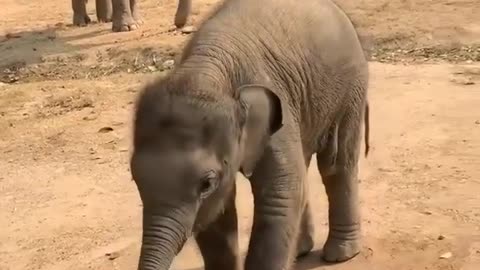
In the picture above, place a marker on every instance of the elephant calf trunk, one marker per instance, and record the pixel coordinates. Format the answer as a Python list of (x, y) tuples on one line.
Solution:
[(163, 238)]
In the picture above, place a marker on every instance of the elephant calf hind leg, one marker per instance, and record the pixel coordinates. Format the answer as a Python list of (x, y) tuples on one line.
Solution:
[(327, 160), (342, 190)]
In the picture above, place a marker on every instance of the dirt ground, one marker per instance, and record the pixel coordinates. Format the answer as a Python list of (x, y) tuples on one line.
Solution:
[(66, 95)]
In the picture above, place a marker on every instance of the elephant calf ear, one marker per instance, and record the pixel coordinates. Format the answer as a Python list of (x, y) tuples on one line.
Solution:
[(263, 119)]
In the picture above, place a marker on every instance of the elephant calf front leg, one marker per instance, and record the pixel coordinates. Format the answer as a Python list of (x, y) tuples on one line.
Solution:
[(219, 242), (277, 186)]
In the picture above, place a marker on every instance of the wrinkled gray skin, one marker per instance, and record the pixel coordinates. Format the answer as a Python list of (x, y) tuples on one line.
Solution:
[(123, 13), (258, 91)]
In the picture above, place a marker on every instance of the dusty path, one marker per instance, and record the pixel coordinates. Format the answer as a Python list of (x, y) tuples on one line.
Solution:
[(66, 199)]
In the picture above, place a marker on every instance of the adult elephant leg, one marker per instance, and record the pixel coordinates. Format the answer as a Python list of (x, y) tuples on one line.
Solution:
[(183, 10), (306, 237), (338, 166), (122, 19), (80, 17), (104, 10), (219, 242), (278, 190), (135, 12)]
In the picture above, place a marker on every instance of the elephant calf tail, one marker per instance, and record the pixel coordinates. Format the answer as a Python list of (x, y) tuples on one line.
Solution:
[(367, 128)]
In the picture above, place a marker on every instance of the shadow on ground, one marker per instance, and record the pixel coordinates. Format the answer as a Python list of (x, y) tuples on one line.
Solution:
[(312, 261), (56, 53), (32, 46)]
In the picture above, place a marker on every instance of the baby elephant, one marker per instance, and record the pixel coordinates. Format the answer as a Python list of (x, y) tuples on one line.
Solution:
[(257, 90), (123, 13)]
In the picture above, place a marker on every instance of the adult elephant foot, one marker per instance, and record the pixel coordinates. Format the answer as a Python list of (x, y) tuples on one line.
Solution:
[(138, 20), (104, 10), (181, 16), (124, 24), (337, 250), (136, 17), (125, 16), (104, 19), (81, 19)]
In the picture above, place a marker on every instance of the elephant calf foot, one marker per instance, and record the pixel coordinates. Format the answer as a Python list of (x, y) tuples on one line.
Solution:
[(340, 250), (81, 19), (305, 245)]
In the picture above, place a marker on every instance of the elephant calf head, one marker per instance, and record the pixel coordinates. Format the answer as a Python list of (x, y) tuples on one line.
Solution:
[(188, 146)]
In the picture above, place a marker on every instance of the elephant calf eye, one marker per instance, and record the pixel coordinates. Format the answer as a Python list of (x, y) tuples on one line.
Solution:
[(208, 184), (205, 186)]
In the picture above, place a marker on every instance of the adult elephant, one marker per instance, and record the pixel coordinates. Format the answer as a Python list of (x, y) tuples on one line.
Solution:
[(123, 13)]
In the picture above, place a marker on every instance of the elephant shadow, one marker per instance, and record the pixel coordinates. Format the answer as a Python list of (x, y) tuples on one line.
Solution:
[(311, 261), (50, 40), (33, 51)]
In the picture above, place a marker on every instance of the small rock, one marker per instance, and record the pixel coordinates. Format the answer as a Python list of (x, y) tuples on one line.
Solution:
[(90, 117), (168, 63), (463, 80), (105, 129), (441, 237), (112, 255), (12, 35), (188, 29), (447, 255), (152, 68)]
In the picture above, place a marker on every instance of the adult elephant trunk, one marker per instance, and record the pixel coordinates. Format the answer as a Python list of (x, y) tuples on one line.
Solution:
[(163, 237)]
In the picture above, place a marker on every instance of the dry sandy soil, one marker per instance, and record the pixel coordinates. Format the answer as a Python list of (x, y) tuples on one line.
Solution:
[(66, 196)]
